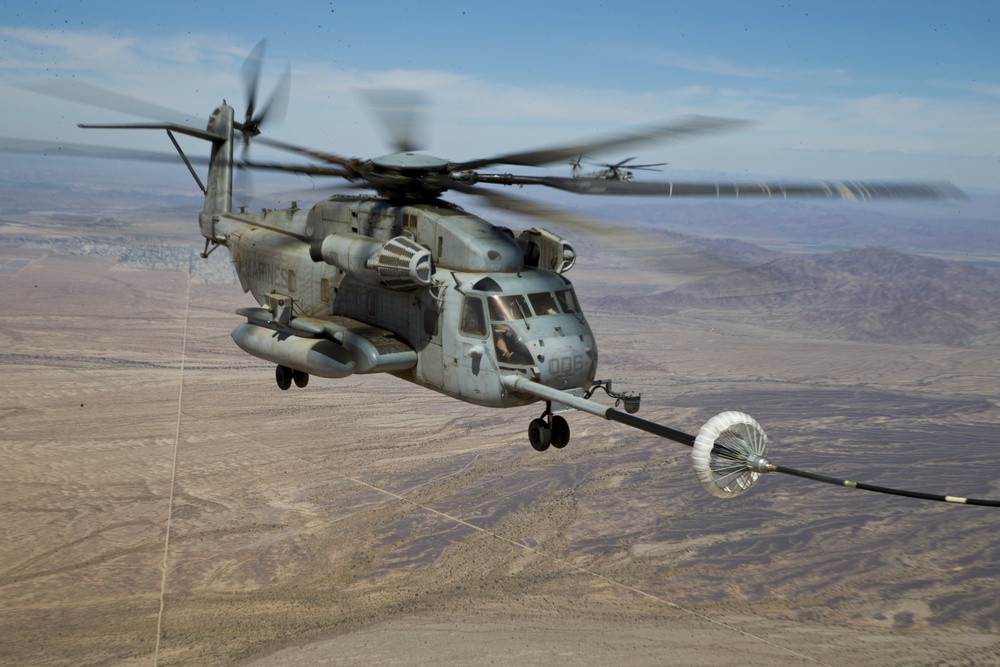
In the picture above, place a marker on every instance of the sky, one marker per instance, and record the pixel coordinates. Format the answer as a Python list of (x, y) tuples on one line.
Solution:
[(846, 90)]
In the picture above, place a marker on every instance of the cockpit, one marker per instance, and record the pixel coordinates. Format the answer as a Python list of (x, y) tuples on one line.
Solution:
[(521, 321)]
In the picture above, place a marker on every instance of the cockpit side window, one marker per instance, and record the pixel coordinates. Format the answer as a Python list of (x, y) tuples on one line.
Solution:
[(543, 303), (473, 316), (567, 299)]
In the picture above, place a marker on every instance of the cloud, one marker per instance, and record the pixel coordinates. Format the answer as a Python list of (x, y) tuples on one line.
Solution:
[(985, 88), (709, 64), (32, 48), (473, 115)]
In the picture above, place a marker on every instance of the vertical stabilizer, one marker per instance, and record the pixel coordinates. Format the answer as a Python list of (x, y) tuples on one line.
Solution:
[(219, 190)]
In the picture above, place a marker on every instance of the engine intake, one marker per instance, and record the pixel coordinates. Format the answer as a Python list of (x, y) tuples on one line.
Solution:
[(402, 264)]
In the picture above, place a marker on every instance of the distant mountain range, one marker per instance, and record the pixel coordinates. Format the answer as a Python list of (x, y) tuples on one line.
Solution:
[(871, 294), (946, 226), (867, 288)]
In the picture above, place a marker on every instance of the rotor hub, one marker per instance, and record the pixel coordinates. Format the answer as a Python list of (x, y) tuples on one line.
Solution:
[(410, 162)]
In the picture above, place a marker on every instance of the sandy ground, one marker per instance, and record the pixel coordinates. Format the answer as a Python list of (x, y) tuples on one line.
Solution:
[(669, 641), (163, 503)]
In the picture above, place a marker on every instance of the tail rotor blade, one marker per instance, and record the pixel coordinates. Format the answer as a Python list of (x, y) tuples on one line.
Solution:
[(250, 70), (277, 104)]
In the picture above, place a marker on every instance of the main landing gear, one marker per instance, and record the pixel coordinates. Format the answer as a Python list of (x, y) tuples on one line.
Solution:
[(549, 429), (285, 376)]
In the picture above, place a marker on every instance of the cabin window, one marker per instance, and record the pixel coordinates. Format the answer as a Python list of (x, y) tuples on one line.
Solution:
[(291, 280), (371, 304), (440, 247), (473, 316), (324, 290), (410, 221)]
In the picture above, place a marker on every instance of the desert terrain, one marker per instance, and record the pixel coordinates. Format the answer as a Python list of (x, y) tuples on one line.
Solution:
[(163, 503)]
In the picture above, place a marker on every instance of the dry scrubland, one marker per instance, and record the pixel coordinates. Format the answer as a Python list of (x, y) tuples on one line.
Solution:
[(368, 521)]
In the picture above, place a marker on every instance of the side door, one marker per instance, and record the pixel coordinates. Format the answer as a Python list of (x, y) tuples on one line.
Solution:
[(472, 367), (430, 353)]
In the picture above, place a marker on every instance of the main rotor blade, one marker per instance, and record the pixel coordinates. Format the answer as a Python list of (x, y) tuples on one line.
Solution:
[(850, 190), (399, 111), (66, 149), (686, 259), (532, 208), (60, 149), (677, 130), (304, 169), (324, 156), (94, 96)]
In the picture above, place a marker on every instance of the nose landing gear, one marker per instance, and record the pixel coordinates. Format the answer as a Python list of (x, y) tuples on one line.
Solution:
[(548, 430)]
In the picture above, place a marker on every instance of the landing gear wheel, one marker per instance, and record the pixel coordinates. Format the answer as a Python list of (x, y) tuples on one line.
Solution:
[(560, 432), (283, 376), (300, 379), (539, 435)]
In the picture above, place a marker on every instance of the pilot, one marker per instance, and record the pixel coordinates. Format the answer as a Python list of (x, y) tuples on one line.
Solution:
[(501, 334)]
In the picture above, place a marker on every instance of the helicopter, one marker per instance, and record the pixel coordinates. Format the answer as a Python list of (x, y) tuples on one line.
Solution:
[(618, 171), (406, 283)]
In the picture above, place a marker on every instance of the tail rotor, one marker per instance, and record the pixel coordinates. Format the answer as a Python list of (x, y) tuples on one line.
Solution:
[(277, 104)]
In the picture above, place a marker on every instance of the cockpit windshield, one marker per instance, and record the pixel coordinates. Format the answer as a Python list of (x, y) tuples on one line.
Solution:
[(543, 303), (509, 308), (511, 348)]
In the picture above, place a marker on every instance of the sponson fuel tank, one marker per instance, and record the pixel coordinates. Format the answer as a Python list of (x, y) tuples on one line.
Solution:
[(325, 348)]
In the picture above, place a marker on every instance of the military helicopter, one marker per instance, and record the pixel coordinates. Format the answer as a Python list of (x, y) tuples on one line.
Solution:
[(406, 283), (618, 171)]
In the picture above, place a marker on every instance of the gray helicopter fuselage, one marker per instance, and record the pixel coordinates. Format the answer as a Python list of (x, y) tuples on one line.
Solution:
[(467, 297)]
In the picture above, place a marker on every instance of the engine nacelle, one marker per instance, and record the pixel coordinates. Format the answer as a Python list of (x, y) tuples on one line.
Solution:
[(399, 263), (544, 250)]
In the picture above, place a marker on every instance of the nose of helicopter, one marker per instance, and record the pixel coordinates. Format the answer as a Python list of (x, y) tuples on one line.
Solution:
[(565, 351)]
